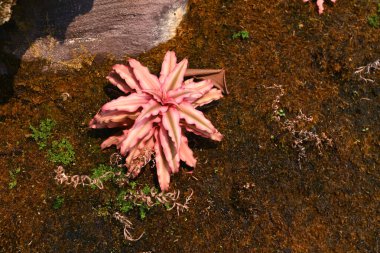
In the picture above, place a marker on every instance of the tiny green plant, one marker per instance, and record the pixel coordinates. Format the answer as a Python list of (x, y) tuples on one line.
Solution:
[(244, 34), (143, 209), (103, 173), (374, 20), (365, 129), (41, 134), (146, 189), (12, 174), (281, 113), (61, 152), (125, 205), (58, 202)]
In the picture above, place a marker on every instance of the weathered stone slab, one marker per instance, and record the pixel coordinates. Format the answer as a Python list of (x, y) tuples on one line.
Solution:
[(5, 10), (57, 30)]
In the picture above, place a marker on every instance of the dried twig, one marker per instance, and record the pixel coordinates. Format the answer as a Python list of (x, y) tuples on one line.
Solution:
[(368, 69), (127, 226), (165, 198), (83, 180), (300, 136), (139, 161)]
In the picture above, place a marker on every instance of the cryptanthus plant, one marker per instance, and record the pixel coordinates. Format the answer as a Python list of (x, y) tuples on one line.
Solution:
[(154, 115), (320, 5)]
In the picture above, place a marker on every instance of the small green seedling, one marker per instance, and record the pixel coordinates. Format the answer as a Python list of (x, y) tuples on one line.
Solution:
[(12, 174), (124, 205), (281, 113), (100, 173), (41, 134), (58, 202), (146, 190), (61, 152), (133, 185), (374, 20), (167, 206), (244, 34), (143, 209)]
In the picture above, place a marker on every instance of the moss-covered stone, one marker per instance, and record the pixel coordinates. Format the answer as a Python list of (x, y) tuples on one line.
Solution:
[(5, 10)]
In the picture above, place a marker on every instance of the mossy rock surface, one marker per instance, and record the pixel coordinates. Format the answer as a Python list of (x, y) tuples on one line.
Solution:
[(5, 10), (60, 30)]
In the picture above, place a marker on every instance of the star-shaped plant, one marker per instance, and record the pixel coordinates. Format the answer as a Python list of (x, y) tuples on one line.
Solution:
[(320, 5), (155, 114)]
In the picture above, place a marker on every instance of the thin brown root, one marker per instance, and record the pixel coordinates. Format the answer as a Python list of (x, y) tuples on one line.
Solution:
[(84, 180), (127, 226)]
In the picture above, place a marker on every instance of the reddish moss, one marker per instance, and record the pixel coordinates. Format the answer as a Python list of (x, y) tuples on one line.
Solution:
[(330, 204)]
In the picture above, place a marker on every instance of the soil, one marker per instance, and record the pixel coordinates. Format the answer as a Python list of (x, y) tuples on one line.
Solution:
[(256, 190)]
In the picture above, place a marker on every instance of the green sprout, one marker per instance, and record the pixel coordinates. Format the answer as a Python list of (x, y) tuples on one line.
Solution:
[(124, 205), (41, 134), (58, 202), (281, 113), (244, 34), (12, 174), (374, 20), (61, 152), (365, 129), (143, 209), (146, 190), (167, 206), (100, 173)]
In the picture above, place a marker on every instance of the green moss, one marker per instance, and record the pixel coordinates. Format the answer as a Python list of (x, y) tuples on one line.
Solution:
[(13, 180), (123, 205), (244, 34), (126, 206), (374, 20), (61, 152), (41, 134), (58, 202), (101, 171)]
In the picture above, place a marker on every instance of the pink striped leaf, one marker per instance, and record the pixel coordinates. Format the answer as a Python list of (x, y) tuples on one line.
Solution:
[(112, 119), (146, 79), (170, 150), (169, 63), (163, 169), (138, 131), (152, 109), (196, 118), (114, 140), (175, 79), (183, 93), (128, 103), (119, 82), (201, 87), (185, 153), (216, 136), (170, 121), (126, 73), (211, 95)]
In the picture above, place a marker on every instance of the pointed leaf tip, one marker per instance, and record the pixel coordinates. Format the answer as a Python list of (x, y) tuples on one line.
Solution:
[(175, 78)]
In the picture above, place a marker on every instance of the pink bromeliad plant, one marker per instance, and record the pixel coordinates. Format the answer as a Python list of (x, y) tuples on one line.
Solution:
[(155, 113), (320, 5)]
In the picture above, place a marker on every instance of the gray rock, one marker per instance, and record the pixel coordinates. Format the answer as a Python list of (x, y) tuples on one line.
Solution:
[(63, 30), (5, 10)]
